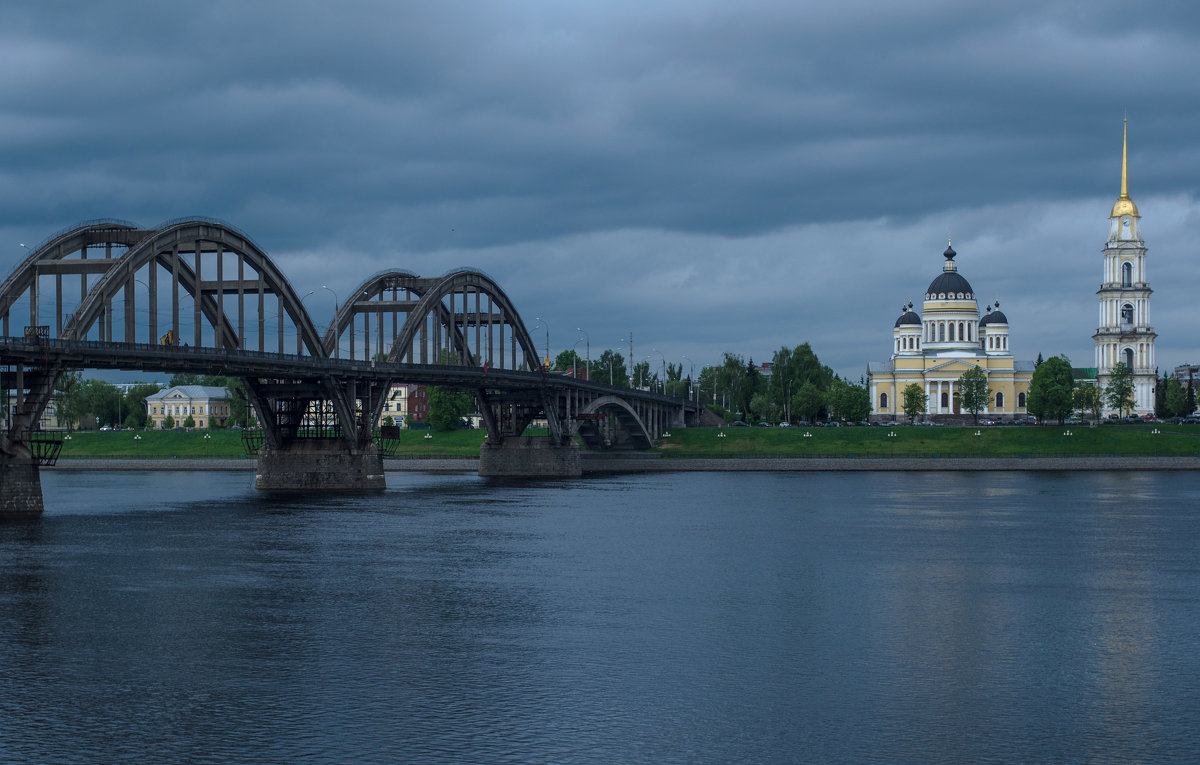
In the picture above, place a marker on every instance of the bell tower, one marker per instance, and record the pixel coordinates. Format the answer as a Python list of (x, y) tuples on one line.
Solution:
[(1124, 334)]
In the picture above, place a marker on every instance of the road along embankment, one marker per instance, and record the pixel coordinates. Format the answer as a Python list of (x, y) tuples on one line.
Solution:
[(652, 463)]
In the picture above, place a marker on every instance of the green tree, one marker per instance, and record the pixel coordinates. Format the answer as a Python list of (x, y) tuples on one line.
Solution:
[(764, 408), (1174, 399), (791, 368), (610, 369), (189, 422), (168, 423), (1052, 390), (914, 401), (808, 402), (68, 399), (447, 407), (641, 375), (974, 391), (848, 402), (569, 360), (135, 404), (1118, 394), (1087, 400)]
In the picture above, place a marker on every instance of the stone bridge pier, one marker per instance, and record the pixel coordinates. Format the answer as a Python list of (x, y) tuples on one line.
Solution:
[(319, 464), (20, 488)]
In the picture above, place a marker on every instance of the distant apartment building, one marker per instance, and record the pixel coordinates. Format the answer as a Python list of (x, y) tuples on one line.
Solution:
[(406, 405), (208, 406)]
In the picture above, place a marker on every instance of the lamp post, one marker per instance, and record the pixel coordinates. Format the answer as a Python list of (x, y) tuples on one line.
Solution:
[(546, 325), (663, 379), (587, 351), (891, 440), (337, 341), (574, 356), (1155, 433), (691, 376)]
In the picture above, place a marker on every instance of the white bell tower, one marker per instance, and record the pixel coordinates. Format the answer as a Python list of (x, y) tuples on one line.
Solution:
[(1124, 334)]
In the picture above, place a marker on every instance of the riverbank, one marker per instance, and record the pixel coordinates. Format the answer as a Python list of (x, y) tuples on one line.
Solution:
[(651, 463)]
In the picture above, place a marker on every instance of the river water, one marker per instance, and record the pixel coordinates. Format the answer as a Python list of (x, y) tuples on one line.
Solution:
[(699, 618)]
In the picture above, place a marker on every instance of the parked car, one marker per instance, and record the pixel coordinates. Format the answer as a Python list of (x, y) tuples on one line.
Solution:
[(785, 424)]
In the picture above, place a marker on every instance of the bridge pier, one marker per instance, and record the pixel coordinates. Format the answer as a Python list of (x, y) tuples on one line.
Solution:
[(319, 465), (20, 489), (530, 457)]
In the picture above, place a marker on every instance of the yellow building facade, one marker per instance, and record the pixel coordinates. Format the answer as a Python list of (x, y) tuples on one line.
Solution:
[(208, 406), (934, 348)]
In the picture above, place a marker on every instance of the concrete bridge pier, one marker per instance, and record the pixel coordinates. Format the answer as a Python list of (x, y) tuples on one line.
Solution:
[(20, 489), (319, 465), (530, 457)]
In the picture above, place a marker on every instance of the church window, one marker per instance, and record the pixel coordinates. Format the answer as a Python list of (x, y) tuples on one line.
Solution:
[(999, 401), (1129, 357), (945, 400), (941, 331), (1127, 275), (1021, 400), (883, 401), (961, 332), (952, 332), (1127, 314)]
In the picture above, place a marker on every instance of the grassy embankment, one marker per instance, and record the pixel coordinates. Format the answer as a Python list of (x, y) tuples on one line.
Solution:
[(705, 442), (165, 444)]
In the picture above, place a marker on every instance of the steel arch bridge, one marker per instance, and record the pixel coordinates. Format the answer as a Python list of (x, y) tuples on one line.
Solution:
[(198, 295)]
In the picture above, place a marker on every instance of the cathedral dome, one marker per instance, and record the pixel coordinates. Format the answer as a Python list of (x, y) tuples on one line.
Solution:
[(949, 285), (993, 316), (908, 317)]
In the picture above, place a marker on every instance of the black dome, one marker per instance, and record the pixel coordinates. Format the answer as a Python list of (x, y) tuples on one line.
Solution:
[(949, 283), (997, 317), (908, 318)]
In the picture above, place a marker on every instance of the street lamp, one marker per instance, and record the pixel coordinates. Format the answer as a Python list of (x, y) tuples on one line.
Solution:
[(663, 380), (574, 356), (691, 376), (337, 341), (1155, 433), (546, 325), (587, 350)]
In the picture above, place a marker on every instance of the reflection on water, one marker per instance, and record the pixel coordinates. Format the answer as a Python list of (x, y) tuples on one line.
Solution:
[(934, 617)]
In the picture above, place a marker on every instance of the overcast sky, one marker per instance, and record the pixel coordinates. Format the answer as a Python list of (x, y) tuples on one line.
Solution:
[(714, 176)]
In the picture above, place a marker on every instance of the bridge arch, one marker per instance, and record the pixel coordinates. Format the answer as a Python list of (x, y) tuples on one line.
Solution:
[(627, 417), (430, 305), (166, 247), (375, 288)]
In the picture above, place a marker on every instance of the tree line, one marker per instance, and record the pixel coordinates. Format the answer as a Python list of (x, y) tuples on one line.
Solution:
[(1056, 394)]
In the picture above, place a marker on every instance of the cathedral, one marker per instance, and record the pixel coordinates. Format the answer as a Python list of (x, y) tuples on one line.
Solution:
[(949, 337), (933, 350)]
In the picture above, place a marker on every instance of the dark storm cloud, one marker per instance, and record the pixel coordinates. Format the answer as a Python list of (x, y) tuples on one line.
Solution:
[(755, 142)]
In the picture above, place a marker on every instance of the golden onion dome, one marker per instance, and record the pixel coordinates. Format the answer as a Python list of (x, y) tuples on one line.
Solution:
[(1124, 206)]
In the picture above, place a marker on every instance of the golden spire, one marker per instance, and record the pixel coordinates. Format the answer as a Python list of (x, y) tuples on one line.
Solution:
[(1124, 205)]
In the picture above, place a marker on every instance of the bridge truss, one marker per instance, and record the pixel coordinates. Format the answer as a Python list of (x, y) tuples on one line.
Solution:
[(198, 295)]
